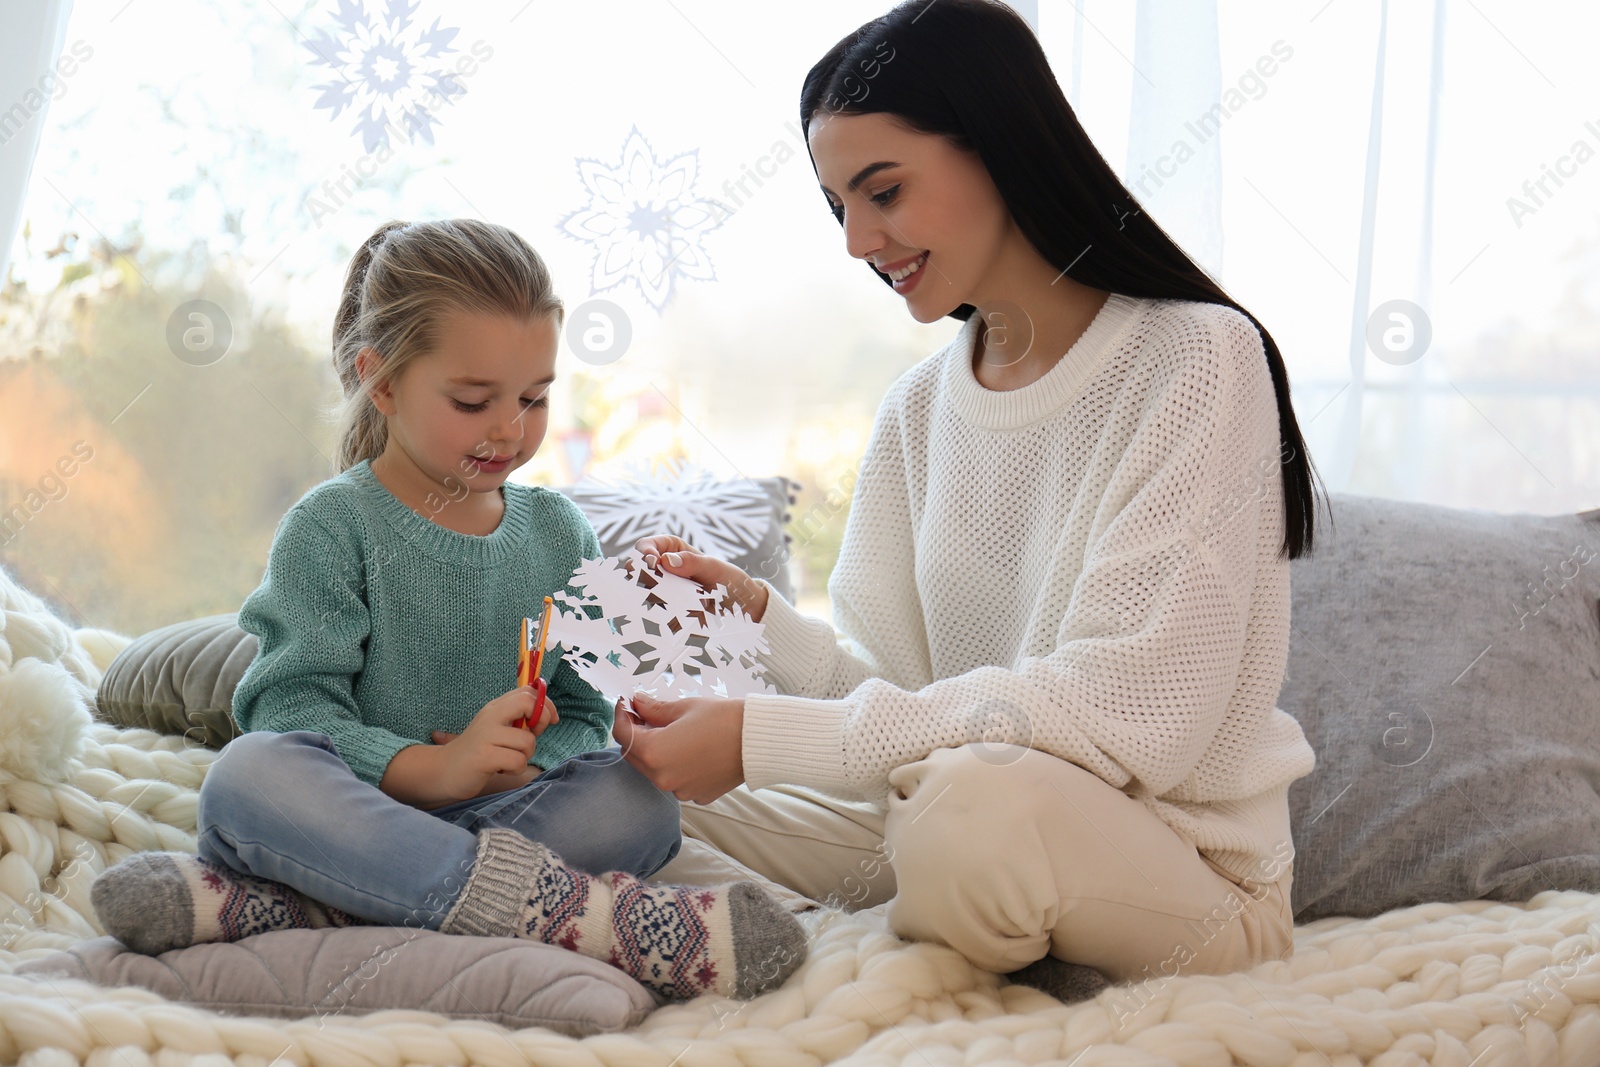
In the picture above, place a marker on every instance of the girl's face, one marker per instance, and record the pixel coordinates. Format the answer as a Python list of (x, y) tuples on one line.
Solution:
[(906, 197), (476, 407)]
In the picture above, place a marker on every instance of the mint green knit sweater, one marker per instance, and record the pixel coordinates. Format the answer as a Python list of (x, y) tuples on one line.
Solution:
[(378, 625)]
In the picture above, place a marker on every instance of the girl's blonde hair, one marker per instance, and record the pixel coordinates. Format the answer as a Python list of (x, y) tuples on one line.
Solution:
[(401, 283)]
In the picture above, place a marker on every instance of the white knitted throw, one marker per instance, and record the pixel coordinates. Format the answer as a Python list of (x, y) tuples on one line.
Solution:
[(1476, 984)]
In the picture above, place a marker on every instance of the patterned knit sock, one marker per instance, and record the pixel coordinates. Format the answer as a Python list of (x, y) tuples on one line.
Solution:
[(155, 901), (1067, 982), (679, 941)]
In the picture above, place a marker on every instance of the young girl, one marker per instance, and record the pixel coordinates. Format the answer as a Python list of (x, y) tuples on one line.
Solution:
[(1047, 737), (382, 776)]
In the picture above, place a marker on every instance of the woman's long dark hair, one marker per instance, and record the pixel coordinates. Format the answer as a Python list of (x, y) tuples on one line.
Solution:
[(973, 72)]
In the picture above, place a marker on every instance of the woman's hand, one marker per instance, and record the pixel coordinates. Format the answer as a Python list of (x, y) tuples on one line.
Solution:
[(675, 556), (690, 748)]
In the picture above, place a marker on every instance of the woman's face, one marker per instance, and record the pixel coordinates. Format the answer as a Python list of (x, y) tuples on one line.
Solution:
[(916, 198)]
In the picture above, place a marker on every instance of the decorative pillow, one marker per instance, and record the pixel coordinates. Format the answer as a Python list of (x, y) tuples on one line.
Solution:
[(741, 520), (292, 974), (1445, 666), (179, 679)]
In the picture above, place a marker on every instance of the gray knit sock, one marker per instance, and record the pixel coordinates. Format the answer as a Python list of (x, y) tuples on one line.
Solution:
[(678, 941), (1067, 982), (156, 901)]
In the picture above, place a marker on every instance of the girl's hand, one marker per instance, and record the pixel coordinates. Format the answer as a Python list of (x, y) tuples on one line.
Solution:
[(492, 755), (674, 555), (498, 782), (690, 748)]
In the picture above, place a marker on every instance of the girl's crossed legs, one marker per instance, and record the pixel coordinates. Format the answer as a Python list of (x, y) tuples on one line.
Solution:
[(1003, 853), (285, 807)]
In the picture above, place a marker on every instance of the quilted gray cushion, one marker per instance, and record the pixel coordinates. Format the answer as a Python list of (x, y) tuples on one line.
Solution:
[(1445, 666), (354, 970)]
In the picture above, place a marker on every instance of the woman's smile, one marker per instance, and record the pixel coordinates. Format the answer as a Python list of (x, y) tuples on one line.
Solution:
[(906, 277)]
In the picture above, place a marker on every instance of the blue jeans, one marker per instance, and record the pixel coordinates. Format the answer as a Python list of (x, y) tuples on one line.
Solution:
[(285, 807)]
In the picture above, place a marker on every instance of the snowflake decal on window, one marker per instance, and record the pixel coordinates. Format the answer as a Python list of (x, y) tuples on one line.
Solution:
[(390, 64), (645, 221), (657, 632), (727, 519)]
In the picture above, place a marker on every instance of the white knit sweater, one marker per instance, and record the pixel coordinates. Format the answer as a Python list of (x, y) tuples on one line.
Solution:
[(1088, 565)]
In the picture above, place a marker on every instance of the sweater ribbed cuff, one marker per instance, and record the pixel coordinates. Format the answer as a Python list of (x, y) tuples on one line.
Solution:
[(796, 741), (368, 751), (557, 745), (798, 644), (497, 890)]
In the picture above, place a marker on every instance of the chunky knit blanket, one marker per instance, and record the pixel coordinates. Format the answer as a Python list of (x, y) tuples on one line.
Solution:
[(1466, 984)]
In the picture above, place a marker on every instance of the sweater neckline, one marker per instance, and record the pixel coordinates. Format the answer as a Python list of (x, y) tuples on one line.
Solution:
[(439, 542), (1008, 409)]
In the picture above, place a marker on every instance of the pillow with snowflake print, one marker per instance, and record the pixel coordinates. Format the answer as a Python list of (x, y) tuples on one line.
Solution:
[(740, 520), (656, 632)]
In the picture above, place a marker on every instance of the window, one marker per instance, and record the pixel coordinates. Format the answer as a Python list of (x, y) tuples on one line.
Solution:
[(200, 183)]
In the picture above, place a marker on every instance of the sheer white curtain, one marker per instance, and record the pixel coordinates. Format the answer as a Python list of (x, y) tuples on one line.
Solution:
[(32, 34), (1177, 77)]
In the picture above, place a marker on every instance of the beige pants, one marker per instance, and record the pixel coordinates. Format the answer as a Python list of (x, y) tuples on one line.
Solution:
[(1003, 853)]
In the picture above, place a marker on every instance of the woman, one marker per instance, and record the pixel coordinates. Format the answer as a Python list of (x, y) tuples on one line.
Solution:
[(1071, 533)]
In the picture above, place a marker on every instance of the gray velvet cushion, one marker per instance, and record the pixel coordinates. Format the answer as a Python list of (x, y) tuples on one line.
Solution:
[(179, 679), (1445, 666), (293, 974)]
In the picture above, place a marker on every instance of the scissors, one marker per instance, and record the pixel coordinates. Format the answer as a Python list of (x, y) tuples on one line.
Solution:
[(530, 663)]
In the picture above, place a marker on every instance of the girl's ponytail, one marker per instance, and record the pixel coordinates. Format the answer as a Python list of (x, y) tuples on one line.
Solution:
[(362, 429), (401, 281)]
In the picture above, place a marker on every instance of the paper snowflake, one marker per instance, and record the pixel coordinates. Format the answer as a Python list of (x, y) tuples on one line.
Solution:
[(645, 221), (388, 68), (636, 628)]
